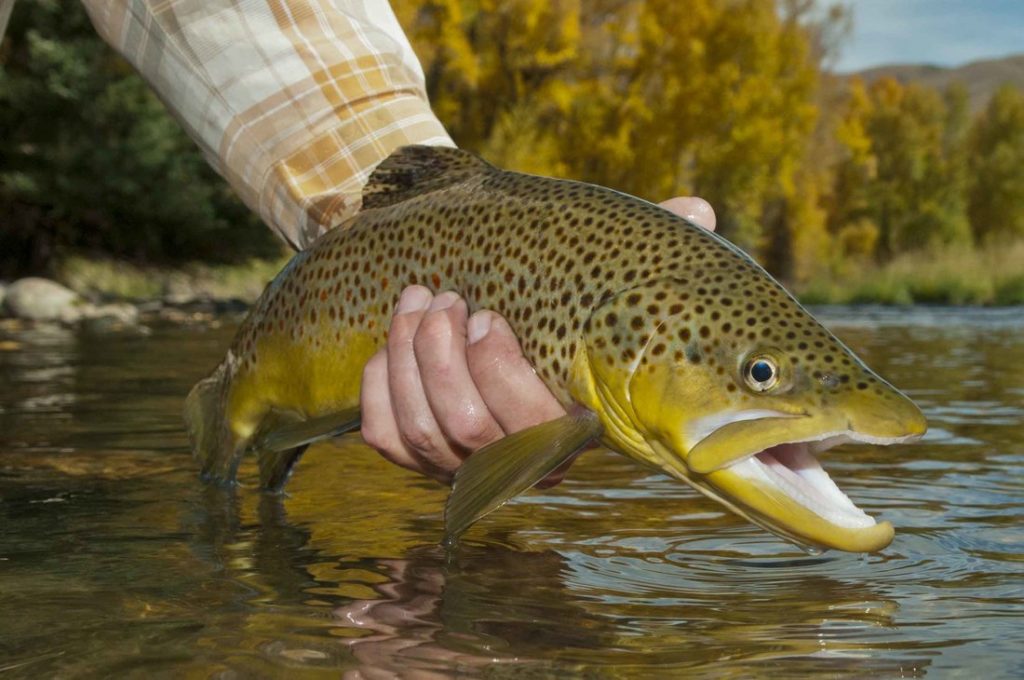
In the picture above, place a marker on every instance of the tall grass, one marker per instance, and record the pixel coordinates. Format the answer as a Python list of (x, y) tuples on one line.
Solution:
[(992, 275), (113, 279)]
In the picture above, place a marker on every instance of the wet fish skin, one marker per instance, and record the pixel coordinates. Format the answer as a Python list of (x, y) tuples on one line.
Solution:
[(624, 308)]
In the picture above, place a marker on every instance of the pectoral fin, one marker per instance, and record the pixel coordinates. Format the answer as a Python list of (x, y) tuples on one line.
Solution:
[(281, 442), (499, 472)]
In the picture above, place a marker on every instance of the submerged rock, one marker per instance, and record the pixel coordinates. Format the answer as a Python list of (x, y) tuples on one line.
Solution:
[(39, 299), (118, 312), (111, 317)]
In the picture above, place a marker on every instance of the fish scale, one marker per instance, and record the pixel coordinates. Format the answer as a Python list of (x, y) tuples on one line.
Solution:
[(604, 290)]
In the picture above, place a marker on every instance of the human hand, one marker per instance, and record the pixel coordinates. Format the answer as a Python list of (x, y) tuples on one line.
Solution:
[(447, 384)]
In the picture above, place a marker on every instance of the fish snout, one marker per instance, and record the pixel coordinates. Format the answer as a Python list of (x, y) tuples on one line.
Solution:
[(889, 417)]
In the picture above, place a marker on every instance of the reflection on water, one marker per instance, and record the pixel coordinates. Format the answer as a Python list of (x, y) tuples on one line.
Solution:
[(115, 562)]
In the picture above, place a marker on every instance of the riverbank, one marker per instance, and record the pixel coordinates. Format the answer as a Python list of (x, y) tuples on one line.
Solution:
[(992, 276), (106, 295), (195, 283)]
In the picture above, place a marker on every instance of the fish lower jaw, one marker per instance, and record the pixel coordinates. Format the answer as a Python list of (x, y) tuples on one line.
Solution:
[(794, 471)]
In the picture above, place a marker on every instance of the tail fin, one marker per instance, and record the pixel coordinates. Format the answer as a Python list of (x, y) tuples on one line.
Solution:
[(212, 442)]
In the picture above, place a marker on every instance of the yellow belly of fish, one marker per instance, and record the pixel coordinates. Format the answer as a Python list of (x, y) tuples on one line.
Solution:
[(299, 378)]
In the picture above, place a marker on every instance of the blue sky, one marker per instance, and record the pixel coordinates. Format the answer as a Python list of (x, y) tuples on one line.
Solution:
[(944, 32)]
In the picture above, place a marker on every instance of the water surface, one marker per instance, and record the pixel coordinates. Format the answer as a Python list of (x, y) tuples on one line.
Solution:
[(114, 561)]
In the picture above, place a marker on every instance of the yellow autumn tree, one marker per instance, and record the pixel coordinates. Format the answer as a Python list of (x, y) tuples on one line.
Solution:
[(652, 97), (499, 73), (701, 97), (850, 210)]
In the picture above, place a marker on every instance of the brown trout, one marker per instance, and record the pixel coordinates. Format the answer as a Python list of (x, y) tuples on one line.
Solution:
[(664, 342)]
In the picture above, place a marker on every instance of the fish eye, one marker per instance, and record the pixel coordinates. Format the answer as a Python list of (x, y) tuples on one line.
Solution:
[(761, 373)]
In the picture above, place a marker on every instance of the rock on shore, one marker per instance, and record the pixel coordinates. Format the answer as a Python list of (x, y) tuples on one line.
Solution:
[(38, 299)]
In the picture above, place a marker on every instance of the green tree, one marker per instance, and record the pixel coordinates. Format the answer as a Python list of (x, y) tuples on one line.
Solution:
[(90, 160), (918, 190), (899, 183), (997, 168)]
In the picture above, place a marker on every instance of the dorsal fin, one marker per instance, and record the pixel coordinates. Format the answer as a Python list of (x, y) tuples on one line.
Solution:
[(416, 170)]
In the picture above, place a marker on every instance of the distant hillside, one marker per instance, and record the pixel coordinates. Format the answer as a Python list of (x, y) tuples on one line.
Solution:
[(981, 78)]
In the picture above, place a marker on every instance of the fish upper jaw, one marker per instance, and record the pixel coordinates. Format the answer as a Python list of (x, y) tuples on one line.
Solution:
[(720, 440)]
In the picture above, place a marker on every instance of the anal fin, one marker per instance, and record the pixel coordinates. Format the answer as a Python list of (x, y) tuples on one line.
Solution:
[(501, 471), (281, 442)]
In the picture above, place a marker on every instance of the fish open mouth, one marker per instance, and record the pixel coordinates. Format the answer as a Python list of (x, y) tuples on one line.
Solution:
[(763, 465), (784, 489), (795, 471)]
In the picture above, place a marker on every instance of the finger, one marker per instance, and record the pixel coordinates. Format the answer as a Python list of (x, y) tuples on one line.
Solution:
[(515, 396), (416, 424), (379, 427), (558, 476), (693, 208), (440, 349)]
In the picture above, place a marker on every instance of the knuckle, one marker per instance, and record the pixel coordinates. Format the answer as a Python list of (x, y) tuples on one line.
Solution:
[(377, 438), (403, 328), (434, 329), (474, 431), (419, 436), (372, 438)]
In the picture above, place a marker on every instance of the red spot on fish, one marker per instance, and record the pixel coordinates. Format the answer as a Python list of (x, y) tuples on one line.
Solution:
[(323, 295), (436, 279), (384, 282), (371, 323)]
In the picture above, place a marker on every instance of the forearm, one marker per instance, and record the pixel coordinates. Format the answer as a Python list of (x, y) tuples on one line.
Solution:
[(294, 102)]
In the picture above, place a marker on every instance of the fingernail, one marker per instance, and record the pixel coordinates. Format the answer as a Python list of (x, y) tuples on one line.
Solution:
[(444, 301), (414, 299), (478, 326)]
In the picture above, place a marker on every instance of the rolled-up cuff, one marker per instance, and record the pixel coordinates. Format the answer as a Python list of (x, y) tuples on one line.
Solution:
[(318, 187)]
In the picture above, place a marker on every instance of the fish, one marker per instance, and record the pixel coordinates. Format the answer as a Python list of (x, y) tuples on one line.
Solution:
[(664, 341)]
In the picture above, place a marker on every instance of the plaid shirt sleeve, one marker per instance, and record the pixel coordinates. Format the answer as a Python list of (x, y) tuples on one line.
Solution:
[(293, 101)]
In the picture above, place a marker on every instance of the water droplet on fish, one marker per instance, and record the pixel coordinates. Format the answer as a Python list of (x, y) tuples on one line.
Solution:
[(811, 550)]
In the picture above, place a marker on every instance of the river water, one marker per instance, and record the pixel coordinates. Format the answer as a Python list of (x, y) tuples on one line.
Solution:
[(116, 562)]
